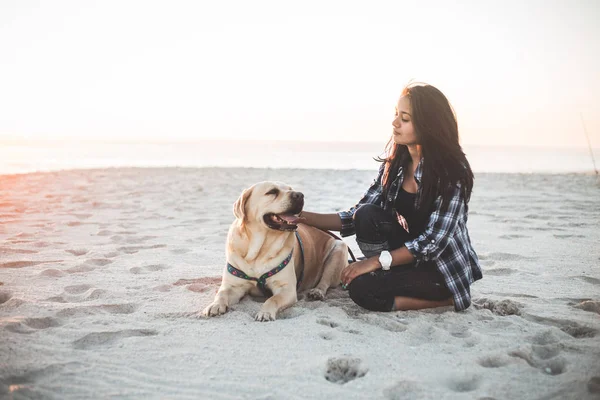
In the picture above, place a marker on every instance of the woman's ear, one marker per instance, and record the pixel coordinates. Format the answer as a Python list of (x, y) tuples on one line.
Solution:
[(239, 207)]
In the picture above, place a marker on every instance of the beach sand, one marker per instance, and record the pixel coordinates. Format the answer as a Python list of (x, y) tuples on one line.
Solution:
[(103, 274)]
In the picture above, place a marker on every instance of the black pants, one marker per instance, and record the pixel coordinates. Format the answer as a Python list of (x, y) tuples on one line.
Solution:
[(376, 231)]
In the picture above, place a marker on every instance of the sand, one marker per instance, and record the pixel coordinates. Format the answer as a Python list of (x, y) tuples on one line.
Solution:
[(103, 274)]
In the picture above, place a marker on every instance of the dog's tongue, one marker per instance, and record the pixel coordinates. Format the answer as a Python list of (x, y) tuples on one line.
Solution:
[(289, 218)]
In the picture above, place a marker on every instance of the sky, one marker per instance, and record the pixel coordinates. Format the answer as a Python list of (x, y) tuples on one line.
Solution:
[(518, 73)]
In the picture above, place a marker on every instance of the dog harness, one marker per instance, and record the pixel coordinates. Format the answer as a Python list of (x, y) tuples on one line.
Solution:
[(261, 282)]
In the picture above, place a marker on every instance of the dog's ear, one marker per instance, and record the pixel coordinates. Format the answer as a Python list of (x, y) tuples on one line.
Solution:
[(239, 207)]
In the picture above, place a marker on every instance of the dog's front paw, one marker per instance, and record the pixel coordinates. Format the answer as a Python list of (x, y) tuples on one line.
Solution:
[(264, 316), (315, 294), (214, 309)]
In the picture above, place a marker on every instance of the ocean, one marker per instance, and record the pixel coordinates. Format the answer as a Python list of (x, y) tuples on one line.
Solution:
[(24, 158)]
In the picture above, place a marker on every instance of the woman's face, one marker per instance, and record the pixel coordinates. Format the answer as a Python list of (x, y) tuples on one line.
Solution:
[(404, 132)]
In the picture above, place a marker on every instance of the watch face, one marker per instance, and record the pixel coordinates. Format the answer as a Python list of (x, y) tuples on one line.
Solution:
[(385, 258)]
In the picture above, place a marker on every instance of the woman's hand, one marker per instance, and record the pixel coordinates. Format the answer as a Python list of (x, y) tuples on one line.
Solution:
[(359, 268)]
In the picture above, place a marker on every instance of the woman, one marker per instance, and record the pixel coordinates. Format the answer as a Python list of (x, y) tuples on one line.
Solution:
[(411, 222)]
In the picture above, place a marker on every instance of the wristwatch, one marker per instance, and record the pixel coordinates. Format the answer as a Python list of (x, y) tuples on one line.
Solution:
[(385, 259)]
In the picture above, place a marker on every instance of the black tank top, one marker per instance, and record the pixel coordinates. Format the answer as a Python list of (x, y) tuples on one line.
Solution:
[(405, 206)]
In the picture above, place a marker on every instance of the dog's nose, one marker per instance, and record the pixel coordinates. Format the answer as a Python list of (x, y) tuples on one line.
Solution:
[(297, 196)]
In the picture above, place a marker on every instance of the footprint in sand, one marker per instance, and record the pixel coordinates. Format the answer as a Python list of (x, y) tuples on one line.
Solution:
[(327, 322), (4, 296), (126, 308), (135, 249), (344, 369), (78, 252), (180, 251), (494, 361), (22, 385), (77, 289), (53, 273), (463, 384), (553, 366), (80, 268), (30, 325), (97, 339), (572, 328), (406, 390), (201, 285), (330, 323), (389, 323), (593, 385), (87, 295), (148, 268), (506, 257), (99, 262), (589, 305), (327, 335)]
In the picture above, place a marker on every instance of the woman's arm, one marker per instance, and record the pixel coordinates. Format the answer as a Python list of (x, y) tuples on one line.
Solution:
[(400, 257), (327, 222)]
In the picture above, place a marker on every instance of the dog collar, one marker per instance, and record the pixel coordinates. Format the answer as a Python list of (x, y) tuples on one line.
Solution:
[(261, 282)]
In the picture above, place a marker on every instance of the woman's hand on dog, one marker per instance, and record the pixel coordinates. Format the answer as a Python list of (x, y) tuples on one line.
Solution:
[(359, 268)]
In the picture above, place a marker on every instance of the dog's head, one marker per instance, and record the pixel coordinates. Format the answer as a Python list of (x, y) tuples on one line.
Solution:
[(271, 204)]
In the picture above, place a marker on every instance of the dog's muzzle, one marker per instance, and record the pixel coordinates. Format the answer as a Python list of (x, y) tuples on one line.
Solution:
[(288, 220)]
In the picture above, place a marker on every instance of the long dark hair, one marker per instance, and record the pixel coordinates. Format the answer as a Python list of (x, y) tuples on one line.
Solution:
[(444, 162)]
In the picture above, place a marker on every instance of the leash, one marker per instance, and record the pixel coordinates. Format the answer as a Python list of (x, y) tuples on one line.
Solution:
[(261, 281), (339, 238)]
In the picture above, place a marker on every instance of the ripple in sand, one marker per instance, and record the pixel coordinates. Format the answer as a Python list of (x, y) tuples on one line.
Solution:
[(135, 249), (97, 339), (499, 271), (506, 256), (589, 279), (514, 236)]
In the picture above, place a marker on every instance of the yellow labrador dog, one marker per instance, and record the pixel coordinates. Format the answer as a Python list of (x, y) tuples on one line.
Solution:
[(268, 252)]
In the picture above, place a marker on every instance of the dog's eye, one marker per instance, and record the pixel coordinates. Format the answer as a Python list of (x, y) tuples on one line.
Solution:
[(272, 191)]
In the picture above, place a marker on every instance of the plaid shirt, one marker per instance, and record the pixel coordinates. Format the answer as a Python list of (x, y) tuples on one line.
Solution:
[(445, 240)]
